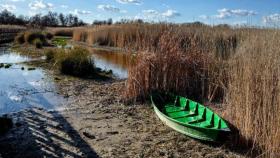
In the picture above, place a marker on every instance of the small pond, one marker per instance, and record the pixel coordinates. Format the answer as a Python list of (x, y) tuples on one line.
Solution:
[(21, 89), (117, 62)]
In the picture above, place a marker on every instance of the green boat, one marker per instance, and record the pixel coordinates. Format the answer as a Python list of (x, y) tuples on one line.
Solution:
[(189, 117)]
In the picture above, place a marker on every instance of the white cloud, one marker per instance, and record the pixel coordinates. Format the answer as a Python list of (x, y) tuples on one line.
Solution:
[(17, 0), (272, 19), (137, 2), (64, 6), (8, 7), (38, 5), (204, 17), (150, 12), (228, 13), (154, 15), (80, 12), (170, 13), (110, 8)]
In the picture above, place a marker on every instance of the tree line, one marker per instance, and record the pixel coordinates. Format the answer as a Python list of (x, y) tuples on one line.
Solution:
[(51, 19)]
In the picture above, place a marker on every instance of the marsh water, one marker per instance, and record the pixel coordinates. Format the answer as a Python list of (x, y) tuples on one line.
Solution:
[(117, 62), (21, 89)]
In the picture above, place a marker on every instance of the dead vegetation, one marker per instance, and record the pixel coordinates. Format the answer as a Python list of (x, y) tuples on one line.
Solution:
[(237, 67)]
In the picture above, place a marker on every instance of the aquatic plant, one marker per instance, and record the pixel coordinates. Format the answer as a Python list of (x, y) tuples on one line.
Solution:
[(60, 41), (77, 62), (30, 36), (6, 66)]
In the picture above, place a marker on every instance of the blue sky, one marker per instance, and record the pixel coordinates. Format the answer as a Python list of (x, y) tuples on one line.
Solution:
[(253, 12)]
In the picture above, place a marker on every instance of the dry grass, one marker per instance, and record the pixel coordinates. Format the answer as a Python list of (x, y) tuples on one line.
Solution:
[(12, 27), (169, 68), (61, 31), (254, 92), (9, 32), (132, 36)]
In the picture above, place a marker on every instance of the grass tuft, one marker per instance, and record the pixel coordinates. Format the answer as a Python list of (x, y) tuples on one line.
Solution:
[(77, 62)]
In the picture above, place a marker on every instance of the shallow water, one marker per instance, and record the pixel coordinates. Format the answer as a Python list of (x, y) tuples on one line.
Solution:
[(117, 62), (21, 89)]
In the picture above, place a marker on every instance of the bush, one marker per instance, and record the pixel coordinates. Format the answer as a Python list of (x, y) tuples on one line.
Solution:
[(30, 36), (20, 38), (77, 62), (38, 43), (49, 36)]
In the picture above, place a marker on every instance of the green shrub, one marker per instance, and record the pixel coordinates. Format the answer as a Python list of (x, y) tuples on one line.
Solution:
[(38, 43), (30, 36), (60, 42), (77, 62), (20, 38)]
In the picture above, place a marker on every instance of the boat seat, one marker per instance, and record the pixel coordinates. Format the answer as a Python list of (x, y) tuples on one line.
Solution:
[(205, 124), (218, 126), (198, 118), (169, 109), (180, 114)]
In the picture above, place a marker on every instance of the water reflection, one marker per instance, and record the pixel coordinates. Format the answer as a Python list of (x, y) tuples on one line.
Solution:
[(7, 57), (22, 89), (118, 62)]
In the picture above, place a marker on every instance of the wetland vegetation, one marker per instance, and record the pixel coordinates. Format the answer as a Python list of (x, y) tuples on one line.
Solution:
[(105, 93)]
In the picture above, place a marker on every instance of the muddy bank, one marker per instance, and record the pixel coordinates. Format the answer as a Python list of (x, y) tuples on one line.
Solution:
[(97, 124)]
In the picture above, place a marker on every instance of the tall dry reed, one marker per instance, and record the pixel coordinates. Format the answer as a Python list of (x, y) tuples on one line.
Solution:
[(172, 67), (254, 92), (238, 67)]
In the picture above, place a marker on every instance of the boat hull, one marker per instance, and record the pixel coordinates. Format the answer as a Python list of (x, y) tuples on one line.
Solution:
[(189, 131), (205, 134)]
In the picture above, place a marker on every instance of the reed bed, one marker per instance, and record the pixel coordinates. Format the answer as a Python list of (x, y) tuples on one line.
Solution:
[(254, 92), (131, 36), (238, 68), (61, 31), (8, 32)]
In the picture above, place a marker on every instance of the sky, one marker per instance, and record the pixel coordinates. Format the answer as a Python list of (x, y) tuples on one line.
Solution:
[(233, 12)]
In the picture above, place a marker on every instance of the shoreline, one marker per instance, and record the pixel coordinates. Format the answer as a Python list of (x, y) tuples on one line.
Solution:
[(96, 123)]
